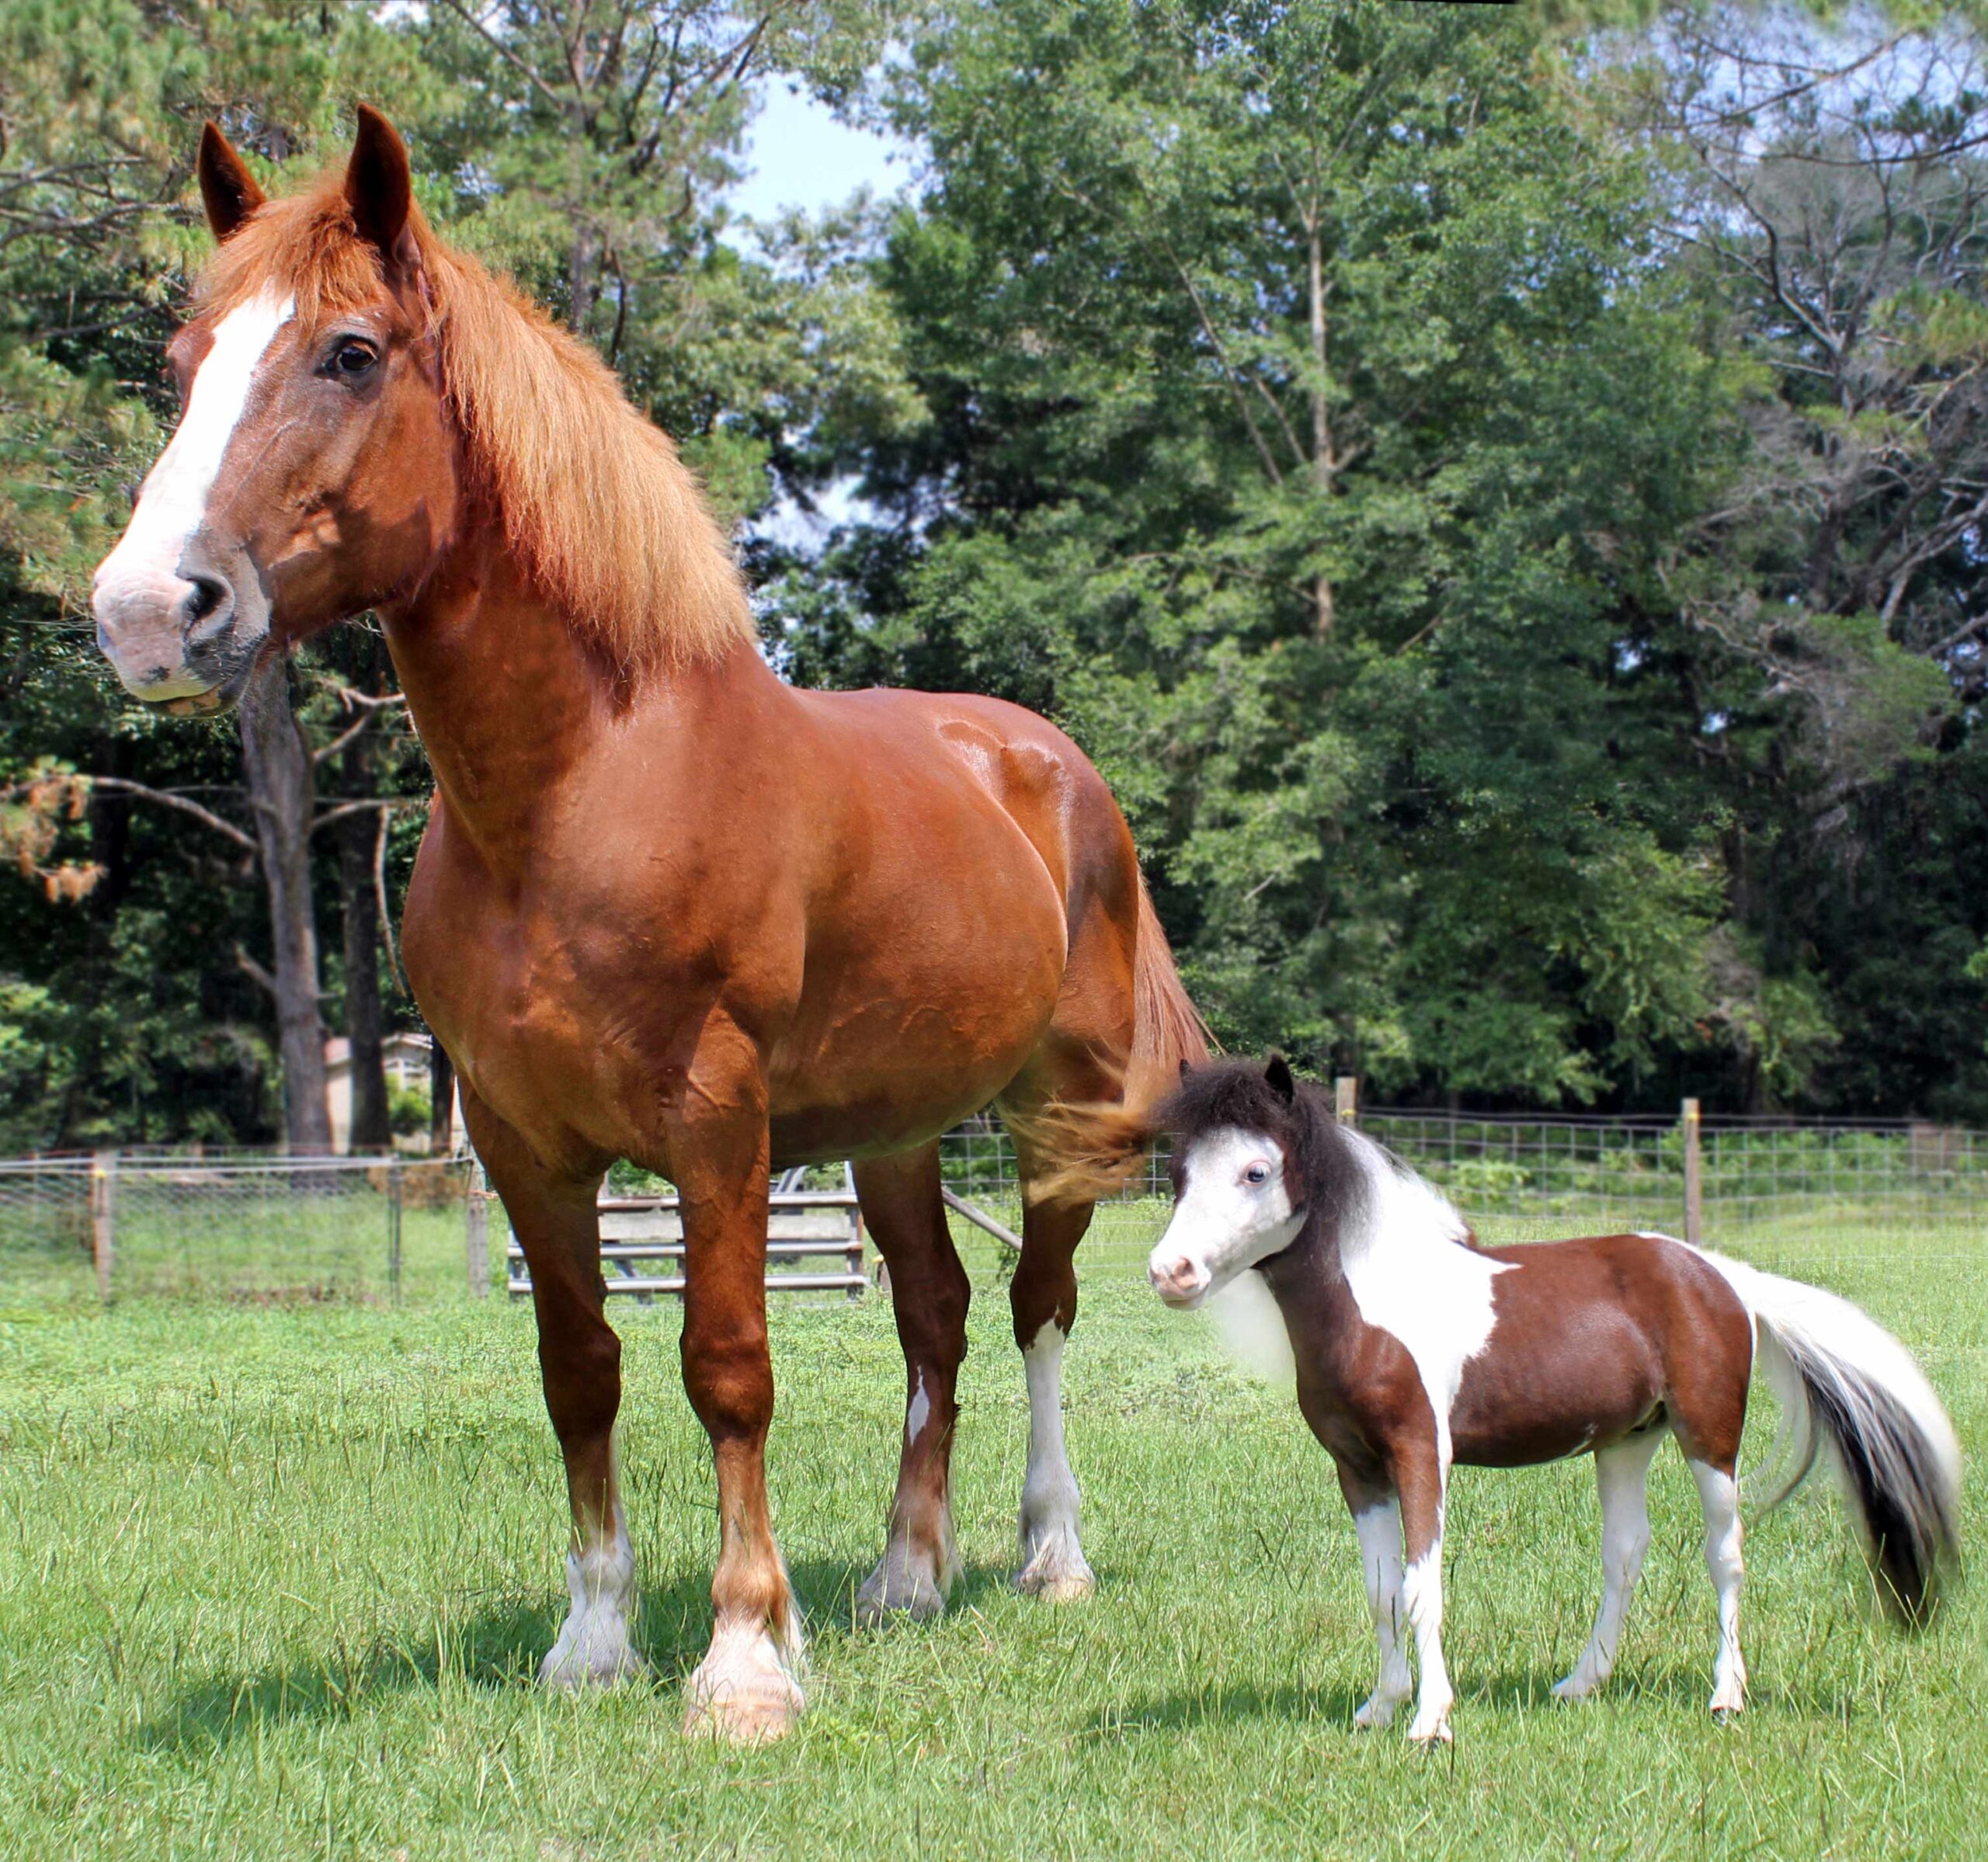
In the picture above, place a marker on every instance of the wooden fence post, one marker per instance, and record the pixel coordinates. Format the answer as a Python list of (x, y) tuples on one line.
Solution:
[(476, 1231), (1346, 1099), (396, 1202), (103, 1217), (1694, 1186)]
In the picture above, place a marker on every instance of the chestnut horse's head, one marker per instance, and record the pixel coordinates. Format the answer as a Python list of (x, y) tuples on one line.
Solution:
[(313, 472)]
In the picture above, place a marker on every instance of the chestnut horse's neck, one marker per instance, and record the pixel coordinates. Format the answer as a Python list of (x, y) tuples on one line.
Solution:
[(509, 695)]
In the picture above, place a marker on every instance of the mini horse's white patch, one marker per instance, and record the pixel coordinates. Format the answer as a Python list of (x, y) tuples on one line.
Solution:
[(1233, 1211), (1411, 1273), (918, 1411), (1250, 1324)]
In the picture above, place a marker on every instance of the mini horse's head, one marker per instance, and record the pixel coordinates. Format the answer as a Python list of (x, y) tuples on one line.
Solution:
[(313, 472), (1243, 1136)]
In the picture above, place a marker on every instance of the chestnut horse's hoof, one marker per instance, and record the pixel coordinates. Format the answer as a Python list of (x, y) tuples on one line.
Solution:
[(907, 1583), (570, 1669), (744, 1690)]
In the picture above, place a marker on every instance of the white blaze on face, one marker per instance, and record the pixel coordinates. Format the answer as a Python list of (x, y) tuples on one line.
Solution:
[(1234, 1210), (147, 578)]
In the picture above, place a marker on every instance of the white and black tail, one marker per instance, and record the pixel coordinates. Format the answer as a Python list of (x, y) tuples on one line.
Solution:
[(1843, 1381)]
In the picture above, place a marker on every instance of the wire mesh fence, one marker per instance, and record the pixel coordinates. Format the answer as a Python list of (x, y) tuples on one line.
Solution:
[(239, 1224), (248, 1225)]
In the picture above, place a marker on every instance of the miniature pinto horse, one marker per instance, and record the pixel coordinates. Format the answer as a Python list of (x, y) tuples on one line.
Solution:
[(1414, 1348), (667, 907)]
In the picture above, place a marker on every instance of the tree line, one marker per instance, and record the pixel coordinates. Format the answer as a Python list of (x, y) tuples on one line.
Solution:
[(1498, 491)]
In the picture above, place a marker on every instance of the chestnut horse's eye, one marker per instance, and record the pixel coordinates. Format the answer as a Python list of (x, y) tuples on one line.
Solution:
[(352, 357)]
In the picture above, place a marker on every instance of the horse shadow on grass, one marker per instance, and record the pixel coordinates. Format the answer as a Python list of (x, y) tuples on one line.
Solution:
[(495, 1649), (1525, 1690)]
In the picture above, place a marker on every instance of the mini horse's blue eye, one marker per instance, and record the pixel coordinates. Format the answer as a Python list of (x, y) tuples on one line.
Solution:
[(1258, 1173)]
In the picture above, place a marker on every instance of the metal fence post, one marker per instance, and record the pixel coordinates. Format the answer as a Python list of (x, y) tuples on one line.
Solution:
[(476, 1231), (1346, 1099), (1695, 1187), (103, 1218)]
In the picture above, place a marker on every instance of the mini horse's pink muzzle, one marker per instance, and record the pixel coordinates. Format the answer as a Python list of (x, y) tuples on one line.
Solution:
[(1179, 1282)]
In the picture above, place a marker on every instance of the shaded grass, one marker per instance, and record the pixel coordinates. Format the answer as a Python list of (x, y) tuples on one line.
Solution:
[(273, 1581)]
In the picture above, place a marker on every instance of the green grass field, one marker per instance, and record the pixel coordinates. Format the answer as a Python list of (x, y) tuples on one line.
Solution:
[(273, 1578)]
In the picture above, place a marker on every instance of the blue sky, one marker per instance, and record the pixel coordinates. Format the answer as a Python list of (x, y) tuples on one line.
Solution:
[(801, 156)]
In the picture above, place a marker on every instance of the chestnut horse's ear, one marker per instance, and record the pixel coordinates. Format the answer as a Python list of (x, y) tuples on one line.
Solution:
[(227, 190), (1278, 1074), (379, 188)]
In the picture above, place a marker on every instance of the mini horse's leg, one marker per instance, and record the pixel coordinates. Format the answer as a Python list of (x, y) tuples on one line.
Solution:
[(745, 1687), (1377, 1520), (1718, 1495), (1043, 1298), (1621, 1473), (1422, 1480), (904, 1211), (579, 1358)]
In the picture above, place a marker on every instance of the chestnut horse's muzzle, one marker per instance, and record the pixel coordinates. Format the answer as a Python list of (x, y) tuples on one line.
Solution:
[(179, 632)]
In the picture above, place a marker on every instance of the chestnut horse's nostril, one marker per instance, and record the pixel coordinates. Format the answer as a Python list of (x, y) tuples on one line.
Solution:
[(208, 594)]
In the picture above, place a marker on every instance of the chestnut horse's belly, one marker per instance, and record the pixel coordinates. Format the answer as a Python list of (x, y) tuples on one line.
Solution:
[(894, 976)]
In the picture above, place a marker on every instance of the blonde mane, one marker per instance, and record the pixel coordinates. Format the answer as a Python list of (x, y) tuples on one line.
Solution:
[(609, 523)]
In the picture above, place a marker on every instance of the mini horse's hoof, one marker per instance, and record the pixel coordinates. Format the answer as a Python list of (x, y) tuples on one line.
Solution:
[(1573, 1688), (1056, 1572), (1370, 1716), (1429, 1738), (1057, 1586)]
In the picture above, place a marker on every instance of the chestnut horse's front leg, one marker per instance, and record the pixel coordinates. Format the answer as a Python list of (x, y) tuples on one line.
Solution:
[(745, 1687), (554, 1216)]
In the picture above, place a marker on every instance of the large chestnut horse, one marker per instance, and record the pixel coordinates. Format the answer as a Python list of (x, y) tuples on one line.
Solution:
[(667, 909)]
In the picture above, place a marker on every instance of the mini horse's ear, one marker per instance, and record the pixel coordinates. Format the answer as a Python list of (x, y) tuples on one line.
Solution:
[(1278, 1074), (1186, 1066), (227, 190), (379, 188)]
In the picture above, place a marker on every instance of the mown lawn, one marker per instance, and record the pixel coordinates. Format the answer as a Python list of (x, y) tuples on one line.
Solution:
[(273, 1578)]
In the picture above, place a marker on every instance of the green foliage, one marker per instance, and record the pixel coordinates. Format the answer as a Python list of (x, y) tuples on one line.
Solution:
[(1539, 663)]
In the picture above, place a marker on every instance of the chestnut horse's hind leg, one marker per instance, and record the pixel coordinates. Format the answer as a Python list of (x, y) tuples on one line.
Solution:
[(745, 1687), (904, 1211), (556, 1223), (1377, 1520), (1620, 1474), (1043, 1298)]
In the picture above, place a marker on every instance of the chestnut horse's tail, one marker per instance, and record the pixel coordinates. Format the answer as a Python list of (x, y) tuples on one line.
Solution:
[(1843, 1380), (1092, 1150), (1167, 1028)]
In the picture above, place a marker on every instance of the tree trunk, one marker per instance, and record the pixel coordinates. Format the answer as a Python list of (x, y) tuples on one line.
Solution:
[(275, 766), (1323, 461), (365, 1028)]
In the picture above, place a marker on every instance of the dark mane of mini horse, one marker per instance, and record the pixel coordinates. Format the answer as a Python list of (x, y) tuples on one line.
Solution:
[(593, 497), (1323, 1172)]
